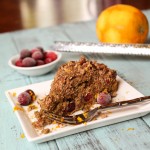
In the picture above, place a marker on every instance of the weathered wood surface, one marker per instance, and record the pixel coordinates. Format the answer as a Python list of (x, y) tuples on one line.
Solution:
[(133, 69)]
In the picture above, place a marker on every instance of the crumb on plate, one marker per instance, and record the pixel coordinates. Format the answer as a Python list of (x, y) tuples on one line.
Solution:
[(14, 94), (85, 123), (31, 107), (45, 131), (16, 108), (103, 115), (54, 122), (79, 119)]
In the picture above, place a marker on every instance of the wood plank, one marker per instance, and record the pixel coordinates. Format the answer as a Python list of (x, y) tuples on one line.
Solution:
[(80, 141), (110, 137), (79, 32), (136, 136)]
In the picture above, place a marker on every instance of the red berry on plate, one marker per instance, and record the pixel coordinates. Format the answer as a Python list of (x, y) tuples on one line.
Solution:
[(19, 63), (25, 53), (48, 60), (104, 99), (28, 62), (40, 62), (37, 55), (24, 98), (87, 97), (51, 55)]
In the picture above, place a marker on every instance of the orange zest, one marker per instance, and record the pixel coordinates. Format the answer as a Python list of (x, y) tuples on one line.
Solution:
[(16, 108)]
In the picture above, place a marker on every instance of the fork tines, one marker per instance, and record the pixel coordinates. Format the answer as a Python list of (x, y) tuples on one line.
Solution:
[(89, 115), (76, 119), (62, 119)]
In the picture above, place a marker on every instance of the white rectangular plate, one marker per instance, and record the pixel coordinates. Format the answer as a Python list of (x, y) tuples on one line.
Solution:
[(26, 118)]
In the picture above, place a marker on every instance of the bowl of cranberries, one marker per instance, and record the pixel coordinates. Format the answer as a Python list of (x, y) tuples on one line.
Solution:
[(34, 62)]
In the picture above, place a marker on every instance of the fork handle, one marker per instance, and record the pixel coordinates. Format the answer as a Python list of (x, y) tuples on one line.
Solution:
[(126, 103)]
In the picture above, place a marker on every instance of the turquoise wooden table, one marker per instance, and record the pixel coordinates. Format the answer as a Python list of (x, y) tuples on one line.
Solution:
[(128, 135)]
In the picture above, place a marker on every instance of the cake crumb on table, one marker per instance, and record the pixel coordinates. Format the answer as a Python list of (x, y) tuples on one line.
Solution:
[(22, 135), (129, 129)]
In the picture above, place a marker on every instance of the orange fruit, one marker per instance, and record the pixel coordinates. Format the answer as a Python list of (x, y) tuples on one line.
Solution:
[(122, 24)]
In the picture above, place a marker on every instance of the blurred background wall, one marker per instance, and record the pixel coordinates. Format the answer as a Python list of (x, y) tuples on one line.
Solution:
[(25, 14)]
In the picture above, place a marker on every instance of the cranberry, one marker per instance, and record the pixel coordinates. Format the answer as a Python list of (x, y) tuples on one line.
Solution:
[(37, 55), (71, 107), (87, 97), (19, 63), (51, 55), (24, 98), (40, 62), (40, 48), (104, 99), (28, 62), (25, 53), (48, 60), (36, 50)]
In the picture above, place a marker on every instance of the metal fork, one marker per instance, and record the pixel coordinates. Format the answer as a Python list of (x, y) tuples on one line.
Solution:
[(89, 115)]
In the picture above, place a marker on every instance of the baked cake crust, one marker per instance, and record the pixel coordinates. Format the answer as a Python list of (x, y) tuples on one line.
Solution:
[(76, 86)]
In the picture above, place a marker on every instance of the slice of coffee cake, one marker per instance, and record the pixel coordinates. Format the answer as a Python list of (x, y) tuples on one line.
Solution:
[(76, 86)]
